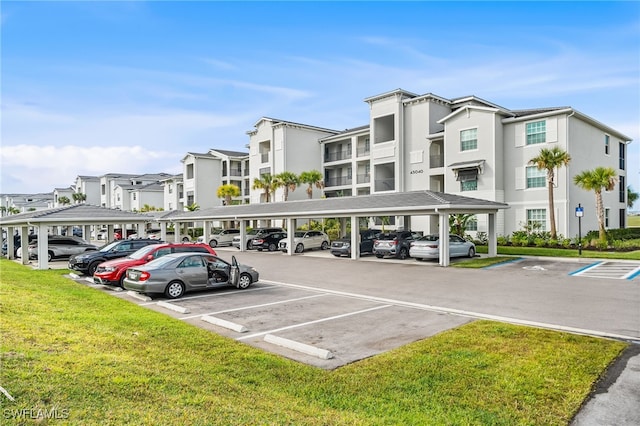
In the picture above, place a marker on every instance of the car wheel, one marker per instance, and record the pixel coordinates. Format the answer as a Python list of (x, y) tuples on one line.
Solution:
[(272, 247), (174, 290), (472, 252), (336, 254), (250, 245), (121, 280), (379, 256), (185, 239), (419, 259), (50, 256), (404, 253), (259, 248), (299, 248), (213, 243), (244, 281), (92, 268), (324, 246)]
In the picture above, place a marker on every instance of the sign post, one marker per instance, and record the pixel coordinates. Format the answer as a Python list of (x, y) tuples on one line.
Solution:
[(579, 214)]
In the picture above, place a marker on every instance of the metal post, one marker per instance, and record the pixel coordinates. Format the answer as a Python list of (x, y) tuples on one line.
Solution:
[(580, 231)]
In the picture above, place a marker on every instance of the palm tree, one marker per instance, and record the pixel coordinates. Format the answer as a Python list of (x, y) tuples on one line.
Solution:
[(289, 181), (458, 223), (79, 197), (596, 180), (550, 160), (268, 184), (64, 200), (228, 191), (192, 207), (632, 197), (312, 178)]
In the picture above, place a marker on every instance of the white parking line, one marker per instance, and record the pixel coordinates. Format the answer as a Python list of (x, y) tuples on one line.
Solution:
[(313, 322), (215, 294), (254, 306)]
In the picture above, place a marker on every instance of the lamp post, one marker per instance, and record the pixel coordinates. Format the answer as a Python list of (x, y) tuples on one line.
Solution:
[(579, 214)]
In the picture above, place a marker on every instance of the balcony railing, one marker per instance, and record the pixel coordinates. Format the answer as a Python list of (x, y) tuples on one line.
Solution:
[(385, 184), (338, 181), (361, 152), (363, 178), (264, 157), (436, 161), (336, 156)]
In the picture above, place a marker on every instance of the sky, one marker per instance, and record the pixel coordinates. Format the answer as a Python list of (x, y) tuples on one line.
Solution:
[(89, 88)]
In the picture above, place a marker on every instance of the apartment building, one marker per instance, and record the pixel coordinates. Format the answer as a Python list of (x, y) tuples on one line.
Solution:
[(472, 147), (90, 187), (276, 146), (113, 197), (59, 193), (173, 189)]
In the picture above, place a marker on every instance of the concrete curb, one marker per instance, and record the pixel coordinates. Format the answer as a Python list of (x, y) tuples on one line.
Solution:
[(173, 307), (139, 296), (297, 346), (223, 323)]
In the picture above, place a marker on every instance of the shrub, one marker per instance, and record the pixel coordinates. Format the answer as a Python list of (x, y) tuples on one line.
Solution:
[(539, 242), (502, 240), (482, 238), (566, 242), (553, 242)]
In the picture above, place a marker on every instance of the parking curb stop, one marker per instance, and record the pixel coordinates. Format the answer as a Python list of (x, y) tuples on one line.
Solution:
[(138, 296), (173, 307), (223, 323), (297, 346)]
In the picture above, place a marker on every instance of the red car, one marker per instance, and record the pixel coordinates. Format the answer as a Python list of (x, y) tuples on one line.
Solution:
[(112, 272)]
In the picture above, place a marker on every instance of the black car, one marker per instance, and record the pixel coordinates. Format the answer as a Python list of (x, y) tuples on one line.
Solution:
[(268, 241), (87, 263), (394, 244), (342, 247)]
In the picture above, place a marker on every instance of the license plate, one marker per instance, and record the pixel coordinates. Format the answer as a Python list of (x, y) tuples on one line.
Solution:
[(134, 275)]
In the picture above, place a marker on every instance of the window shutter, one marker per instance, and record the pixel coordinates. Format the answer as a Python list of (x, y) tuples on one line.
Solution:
[(520, 178), (520, 136), (552, 129)]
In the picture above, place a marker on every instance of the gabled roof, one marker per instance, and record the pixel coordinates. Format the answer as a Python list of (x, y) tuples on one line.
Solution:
[(276, 121), (346, 132), (75, 214), (473, 107), (230, 153)]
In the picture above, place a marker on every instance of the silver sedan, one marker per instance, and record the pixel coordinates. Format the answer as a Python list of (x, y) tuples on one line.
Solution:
[(177, 273), (428, 247)]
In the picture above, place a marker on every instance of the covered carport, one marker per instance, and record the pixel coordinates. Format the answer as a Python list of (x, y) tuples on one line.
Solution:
[(83, 215), (407, 204)]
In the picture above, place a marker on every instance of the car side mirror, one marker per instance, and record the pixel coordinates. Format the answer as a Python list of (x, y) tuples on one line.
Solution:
[(149, 257)]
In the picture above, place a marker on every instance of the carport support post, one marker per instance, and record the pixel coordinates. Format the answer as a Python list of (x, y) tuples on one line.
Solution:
[(443, 246), (492, 249), (355, 238), (206, 227), (291, 230), (86, 232), (43, 247), (163, 231), (11, 248), (24, 244), (243, 235)]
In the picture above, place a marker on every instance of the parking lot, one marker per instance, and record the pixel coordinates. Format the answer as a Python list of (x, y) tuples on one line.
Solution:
[(329, 312)]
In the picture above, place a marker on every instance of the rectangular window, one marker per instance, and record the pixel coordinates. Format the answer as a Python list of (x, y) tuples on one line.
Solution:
[(189, 171), (536, 178), (606, 218), (468, 139), (622, 155), (472, 224), (537, 219), (536, 132), (135, 196), (622, 197), (607, 146), (469, 185), (623, 218)]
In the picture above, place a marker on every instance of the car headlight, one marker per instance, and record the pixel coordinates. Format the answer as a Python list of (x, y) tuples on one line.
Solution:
[(110, 269)]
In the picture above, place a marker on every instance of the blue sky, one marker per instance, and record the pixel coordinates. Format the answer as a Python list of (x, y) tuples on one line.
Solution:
[(90, 88)]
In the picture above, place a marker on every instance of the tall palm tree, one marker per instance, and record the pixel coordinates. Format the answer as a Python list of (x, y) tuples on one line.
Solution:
[(312, 178), (550, 160), (632, 196), (192, 207), (228, 191), (596, 180), (268, 184), (289, 181)]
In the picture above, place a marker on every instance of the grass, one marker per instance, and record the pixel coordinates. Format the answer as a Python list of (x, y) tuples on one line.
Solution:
[(633, 221), (102, 360), (550, 252)]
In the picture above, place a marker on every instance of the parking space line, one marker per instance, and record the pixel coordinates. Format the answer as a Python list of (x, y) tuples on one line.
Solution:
[(631, 275), (584, 269), (314, 322), (227, 293), (254, 306)]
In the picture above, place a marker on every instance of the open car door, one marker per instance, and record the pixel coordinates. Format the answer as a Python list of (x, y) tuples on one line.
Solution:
[(234, 272)]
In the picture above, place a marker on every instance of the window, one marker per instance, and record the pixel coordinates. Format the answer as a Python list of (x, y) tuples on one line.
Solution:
[(622, 155), (189, 171), (472, 224), (537, 219), (536, 178), (622, 188), (536, 132), (606, 217), (135, 196), (469, 185), (468, 139), (607, 147), (623, 218)]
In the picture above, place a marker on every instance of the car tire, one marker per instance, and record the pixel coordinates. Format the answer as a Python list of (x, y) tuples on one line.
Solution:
[(244, 281), (379, 256), (299, 248), (174, 290), (272, 247), (185, 240), (121, 280), (50, 256), (92, 268), (249, 245), (336, 255), (213, 243), (324, 246), (403, 254), (472, 252), (259, 249)]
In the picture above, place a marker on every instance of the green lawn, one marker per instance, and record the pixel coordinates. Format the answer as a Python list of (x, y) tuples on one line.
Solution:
[(105, 361), (549, 252), (633, 221)]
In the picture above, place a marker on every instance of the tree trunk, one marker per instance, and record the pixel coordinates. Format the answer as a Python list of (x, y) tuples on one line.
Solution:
[(552, 212), (600, 214)]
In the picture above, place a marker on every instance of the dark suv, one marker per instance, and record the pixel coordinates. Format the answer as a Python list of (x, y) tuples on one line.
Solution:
[(87, 263), (254, 233), (342, 247), (394, 244)]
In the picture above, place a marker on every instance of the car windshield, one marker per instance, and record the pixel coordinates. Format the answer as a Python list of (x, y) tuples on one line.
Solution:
[(108, 247), (299, 234), (429, 238), (143, 252), (387, 236)]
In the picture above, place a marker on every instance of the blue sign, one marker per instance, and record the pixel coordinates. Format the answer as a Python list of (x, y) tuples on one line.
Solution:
[(579, 211)]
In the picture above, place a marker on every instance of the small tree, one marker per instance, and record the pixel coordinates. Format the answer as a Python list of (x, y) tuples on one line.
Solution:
[(289, 181), (192, 207), (458, 223), (632, 197), (312, 178), (228, 192), (64, 200), (79, 197), (596, 180)]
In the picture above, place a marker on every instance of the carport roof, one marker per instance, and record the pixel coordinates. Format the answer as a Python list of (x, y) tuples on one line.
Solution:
[(397, 203), (76, 214)]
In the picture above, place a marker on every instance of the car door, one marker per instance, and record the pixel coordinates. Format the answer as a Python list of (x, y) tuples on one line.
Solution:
[(193, 272), (456, 246), (234, 272)]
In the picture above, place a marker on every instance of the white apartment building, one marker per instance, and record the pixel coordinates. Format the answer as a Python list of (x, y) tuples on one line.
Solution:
[(90, 187), (472, 147), (173, 193), (276, 146), (60, 193), (113, 197)]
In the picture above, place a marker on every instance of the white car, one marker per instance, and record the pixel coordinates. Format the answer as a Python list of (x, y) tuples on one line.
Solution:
[(222, 237), (428, 247), (306, 240)]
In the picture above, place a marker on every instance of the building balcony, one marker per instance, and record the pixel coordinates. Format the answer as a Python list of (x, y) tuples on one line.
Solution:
[(363, 178), (385, 184), (361, 152), (337, 181), (436, 161), (336, 156)]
